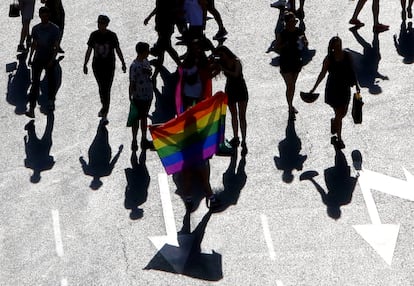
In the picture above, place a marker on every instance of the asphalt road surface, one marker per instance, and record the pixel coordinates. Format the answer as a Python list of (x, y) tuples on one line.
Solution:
[(78, 209)]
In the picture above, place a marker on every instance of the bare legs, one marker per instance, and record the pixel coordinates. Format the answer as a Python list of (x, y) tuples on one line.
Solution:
[(290, 81), (238, 116), (340, 113)]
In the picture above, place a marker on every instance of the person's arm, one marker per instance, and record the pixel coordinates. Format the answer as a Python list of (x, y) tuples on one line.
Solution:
[(150, 16), (33, 47), (233, 73), (321, 74), (121, 58), (87, 57)]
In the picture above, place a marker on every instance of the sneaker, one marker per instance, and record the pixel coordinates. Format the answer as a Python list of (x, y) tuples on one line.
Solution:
[(220, 34), (280, 4), (235, 142), (101, 113), (356, 23), (146, 144), (379, 28), (21, 49), (30, 113), (213, 204)]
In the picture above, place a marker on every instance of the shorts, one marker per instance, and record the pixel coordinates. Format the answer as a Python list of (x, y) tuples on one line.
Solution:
[(27, 9), (143, 107)]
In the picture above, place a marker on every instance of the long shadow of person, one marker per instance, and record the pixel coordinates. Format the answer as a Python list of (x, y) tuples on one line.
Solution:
[(187, 259), (136, 191), (339, 183), (99, 154), (43, 97), (366, 64), (38, 156), (233, 182), (18, 84), (405, 42), (164, 100), (289, 151)]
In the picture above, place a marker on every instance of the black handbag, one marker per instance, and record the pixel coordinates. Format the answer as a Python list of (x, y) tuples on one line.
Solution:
[(357, 104), (14, 9)]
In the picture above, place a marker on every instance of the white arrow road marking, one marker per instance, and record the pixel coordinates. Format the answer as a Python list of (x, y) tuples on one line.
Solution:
[(390, 185), (64, 282), (171, 237), (58, 236), (268, 237), (175, 253), (382, 237), (279, 283)]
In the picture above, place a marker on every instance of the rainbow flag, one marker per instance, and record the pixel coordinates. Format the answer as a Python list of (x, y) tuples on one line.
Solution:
[(193, 136)]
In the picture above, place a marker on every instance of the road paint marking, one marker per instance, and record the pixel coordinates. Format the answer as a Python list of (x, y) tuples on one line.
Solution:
[(64, 282), (369, 200), (268, 237), (279, 283), (167, 205), (58, 235)]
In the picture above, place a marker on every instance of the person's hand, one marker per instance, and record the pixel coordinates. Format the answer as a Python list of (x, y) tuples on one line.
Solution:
[(146, 21), (85, 69), (124, 67)]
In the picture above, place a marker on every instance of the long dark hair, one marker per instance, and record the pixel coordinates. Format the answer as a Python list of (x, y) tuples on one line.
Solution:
[(331, 44)]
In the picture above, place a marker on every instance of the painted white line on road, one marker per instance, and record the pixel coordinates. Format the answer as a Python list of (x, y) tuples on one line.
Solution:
[(64, 282), (279, 283), (268, 237), (58, 235), (364, 183), (167, 205)]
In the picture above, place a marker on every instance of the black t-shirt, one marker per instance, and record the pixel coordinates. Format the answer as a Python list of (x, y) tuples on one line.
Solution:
[(103, 45)]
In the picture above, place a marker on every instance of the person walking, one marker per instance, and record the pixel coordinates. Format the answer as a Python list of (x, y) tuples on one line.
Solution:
[(57, 16), (289, 43), (27, 12), (211, 8), (338, 63), (165, 17), (43, 51), (140, 94), (378, 27), (237, 93), (104, 44)]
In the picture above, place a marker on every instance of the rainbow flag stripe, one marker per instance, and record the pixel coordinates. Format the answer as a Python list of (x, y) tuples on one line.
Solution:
[(193, 136)]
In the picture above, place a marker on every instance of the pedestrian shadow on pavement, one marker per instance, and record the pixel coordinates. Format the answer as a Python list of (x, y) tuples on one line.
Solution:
[(18, 83), (37, 150), (138, 180), (289, 154), (99, 155), (366, 64), (405, 42), (165, 100), (187, 259), (339, 183), (233, 182)]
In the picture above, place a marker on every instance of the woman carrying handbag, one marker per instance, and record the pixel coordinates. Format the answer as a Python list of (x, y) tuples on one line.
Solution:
[(338, 64)]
